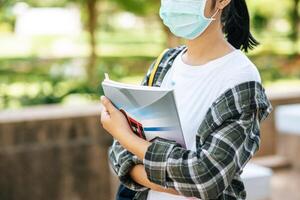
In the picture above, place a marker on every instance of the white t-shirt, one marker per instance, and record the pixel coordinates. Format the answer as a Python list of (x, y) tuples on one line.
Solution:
[(197, 87)]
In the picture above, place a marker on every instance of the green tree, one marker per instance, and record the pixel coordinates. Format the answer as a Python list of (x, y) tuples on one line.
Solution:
[(90, 7), (294, 18), (147, 8), (139, 7), (90, 19)]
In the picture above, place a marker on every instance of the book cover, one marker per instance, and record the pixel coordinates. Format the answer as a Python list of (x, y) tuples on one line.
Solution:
[(151, 111)]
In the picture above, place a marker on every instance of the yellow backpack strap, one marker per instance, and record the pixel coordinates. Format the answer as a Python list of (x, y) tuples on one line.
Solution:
[(153, 72)]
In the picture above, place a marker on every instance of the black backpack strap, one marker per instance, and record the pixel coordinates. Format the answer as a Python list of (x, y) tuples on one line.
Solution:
[(153, 72), (164, 63)]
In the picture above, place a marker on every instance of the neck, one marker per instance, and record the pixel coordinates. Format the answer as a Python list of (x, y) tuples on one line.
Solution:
[(210, 45)]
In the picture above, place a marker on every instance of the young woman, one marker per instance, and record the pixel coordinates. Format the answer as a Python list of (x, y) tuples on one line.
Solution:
[(221, 103)]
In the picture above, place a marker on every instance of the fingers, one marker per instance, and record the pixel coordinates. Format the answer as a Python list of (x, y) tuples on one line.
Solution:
[(104, 114), (107, 104)]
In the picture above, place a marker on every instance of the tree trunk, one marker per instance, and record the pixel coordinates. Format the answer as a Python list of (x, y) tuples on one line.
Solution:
[(92, 27), (295, 18)]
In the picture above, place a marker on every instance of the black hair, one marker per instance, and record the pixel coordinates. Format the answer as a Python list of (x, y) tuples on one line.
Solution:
[(236, 25)]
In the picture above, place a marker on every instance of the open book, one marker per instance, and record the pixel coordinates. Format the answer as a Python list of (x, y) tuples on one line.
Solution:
[(151, 111)]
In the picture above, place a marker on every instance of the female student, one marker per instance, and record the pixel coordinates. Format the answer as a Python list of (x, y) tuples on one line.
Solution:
[(221, 103)]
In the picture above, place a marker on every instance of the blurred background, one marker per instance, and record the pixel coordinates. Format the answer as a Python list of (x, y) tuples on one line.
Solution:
[(53, 54)]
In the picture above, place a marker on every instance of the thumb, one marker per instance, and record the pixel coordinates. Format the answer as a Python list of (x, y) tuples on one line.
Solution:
[(108, 105)]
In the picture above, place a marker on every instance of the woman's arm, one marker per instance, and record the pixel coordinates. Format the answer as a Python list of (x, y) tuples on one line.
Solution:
[(138, 174), (110, 116), (204, 173), (131, 171), (224, 145), (122, 161)]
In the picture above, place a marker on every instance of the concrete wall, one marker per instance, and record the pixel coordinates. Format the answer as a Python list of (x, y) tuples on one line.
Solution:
[(289, 148), (54, 153), (60, 153), (269, 134)]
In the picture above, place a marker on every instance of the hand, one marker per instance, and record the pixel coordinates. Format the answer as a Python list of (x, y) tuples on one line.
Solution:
[(115, 123), (113, 120)]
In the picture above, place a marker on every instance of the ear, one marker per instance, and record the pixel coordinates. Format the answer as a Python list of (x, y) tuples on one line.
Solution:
[(221, 4)]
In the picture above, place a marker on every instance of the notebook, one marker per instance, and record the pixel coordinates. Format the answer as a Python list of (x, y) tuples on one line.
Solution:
[(150, 111)]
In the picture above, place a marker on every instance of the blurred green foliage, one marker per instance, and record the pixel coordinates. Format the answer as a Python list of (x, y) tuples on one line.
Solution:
[(35, 81), (30, 78), (139, 7)]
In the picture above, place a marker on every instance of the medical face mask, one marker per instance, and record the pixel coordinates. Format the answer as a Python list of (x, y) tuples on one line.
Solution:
[(185, 18)]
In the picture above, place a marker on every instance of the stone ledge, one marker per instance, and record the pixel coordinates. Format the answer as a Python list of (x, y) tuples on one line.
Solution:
[(49, 112), (277, 94), (54, 152)]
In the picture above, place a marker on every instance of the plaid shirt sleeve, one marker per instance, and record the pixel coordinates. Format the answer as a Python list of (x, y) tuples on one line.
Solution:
[(122, 160), (226, 140)]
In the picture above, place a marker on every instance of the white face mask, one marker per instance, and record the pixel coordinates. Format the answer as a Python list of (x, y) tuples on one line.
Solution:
[(185, 18)]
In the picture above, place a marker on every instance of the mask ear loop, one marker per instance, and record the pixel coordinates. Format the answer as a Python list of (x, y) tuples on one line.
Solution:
[(213, 16)]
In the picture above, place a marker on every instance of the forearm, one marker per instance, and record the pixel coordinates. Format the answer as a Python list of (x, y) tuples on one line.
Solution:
[(134, 144), (139, 146), (138, 174)]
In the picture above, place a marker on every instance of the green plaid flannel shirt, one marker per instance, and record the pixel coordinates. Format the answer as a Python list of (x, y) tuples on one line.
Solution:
[(226, 140)]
